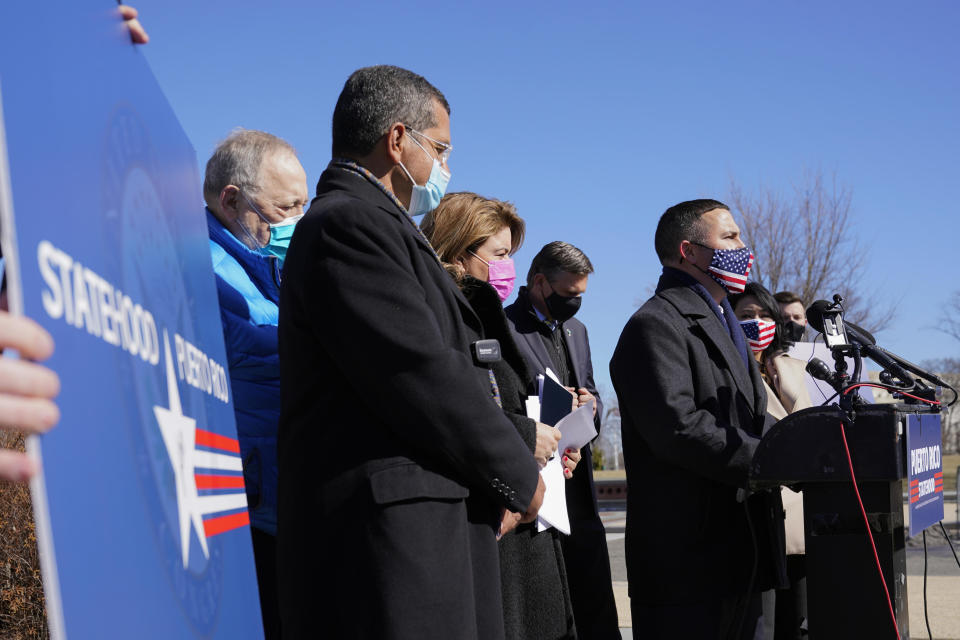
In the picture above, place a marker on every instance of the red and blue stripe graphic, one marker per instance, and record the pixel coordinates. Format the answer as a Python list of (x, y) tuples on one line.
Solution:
[(915, 486), (218, 472)]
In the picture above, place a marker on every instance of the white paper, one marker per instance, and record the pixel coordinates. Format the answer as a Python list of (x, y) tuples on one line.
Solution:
[(553, 511), (533, 408), (576, 430)]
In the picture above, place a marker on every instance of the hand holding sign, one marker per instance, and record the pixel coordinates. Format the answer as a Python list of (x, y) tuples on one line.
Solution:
[(26, 389), (138, 35)]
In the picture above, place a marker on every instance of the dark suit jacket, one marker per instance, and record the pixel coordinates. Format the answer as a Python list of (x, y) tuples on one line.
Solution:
[(525, 327), (585, 549), (692, 415), (394, 458)]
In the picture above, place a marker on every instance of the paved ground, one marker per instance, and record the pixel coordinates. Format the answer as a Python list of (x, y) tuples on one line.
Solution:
[(943, 580)]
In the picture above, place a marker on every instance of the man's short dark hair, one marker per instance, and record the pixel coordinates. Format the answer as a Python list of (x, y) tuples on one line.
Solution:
[(374, 98), (788, 297), (681, 222), (557, 258)]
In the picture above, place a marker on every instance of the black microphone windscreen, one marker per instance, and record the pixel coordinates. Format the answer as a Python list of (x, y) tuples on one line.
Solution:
[(815, 318), (819, 369), (815, 314)]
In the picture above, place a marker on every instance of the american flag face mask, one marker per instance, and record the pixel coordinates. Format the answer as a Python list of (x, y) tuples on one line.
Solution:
[(730, 268), (759, 333)]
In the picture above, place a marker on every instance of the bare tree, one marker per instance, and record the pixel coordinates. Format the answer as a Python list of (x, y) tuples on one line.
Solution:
[(805, 243), (610, 441), (948, 369), (950, 317)]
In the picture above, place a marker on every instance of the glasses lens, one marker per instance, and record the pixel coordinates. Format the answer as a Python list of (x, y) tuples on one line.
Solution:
[(442, 148)]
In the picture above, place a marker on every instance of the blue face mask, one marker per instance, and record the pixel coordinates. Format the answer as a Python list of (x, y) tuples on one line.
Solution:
[(426, 198), (280, 233)]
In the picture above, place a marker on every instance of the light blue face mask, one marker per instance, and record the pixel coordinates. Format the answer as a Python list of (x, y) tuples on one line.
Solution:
[(280, 233), (426, 198)]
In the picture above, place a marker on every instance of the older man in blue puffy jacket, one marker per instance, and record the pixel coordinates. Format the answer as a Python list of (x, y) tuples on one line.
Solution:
[(255, 190)]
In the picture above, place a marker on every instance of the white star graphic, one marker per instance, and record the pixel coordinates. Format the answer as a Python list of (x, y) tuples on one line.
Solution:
[(179, 435)]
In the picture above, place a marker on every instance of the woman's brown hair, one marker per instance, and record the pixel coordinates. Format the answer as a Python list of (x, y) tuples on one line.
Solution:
[(463, 221)]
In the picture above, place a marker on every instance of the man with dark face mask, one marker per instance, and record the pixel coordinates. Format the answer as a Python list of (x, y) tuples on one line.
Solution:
[(549, 336), (794, 315)]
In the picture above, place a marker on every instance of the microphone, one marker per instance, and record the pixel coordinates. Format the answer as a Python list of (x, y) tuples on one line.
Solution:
[(916, 370), (815, 313), (880, 356), (815, 317), (819, 370), (862, 336), (826, 318)]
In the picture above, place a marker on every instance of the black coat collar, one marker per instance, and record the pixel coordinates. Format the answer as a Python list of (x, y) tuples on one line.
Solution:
[(530, 328), (688, 303), (486, 303), (337, 178)]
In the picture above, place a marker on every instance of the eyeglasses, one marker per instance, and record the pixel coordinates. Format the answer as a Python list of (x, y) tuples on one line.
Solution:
[(443, 149)]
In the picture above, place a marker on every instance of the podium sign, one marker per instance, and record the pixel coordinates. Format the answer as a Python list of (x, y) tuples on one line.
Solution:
[(140, 508), (924, 471)]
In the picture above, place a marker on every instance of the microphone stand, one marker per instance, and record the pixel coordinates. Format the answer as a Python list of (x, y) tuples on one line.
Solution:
[(848, 401)]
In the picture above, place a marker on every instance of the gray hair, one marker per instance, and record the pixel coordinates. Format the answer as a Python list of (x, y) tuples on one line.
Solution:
[(557, 258), (373, 99), (237, 161)]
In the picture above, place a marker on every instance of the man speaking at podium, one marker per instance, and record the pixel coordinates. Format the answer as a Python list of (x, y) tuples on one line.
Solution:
[(693, 409)]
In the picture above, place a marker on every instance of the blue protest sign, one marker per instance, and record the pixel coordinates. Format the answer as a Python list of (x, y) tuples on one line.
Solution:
[(924, 471), (141, 512)]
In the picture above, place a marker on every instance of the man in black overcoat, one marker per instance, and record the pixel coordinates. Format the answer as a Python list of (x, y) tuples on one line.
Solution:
[(397, 467), (693, 408), (548, 335)]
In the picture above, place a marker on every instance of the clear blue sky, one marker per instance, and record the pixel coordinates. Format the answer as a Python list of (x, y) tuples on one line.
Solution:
[(595, 117)]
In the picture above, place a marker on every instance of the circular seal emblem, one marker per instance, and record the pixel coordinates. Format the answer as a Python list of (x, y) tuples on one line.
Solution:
[(154, 306)]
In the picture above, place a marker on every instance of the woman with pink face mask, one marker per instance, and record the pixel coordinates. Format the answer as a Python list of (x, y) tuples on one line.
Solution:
[(475, 238)]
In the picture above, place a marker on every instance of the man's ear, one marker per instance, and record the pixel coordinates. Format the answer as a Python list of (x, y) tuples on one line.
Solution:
[(688, 251), (394, 140), (538, 280), (230, 201)]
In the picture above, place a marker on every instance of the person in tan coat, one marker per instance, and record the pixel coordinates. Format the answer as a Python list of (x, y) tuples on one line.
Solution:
[(785, 384)]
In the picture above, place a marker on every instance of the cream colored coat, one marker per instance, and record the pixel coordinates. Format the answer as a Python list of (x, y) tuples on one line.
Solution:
[(788, 395)]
